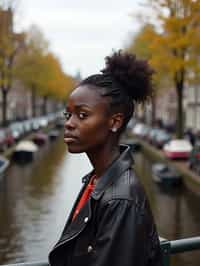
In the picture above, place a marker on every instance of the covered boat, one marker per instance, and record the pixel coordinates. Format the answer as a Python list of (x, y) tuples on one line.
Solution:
[(165, 174), (24, 151), (133, 144), (53, 134), (40, 138), (4, 163)]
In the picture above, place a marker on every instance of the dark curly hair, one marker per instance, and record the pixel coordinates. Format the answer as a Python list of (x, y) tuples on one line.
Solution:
[(126, 80)]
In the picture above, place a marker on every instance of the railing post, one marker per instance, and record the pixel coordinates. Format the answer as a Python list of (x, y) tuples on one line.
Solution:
[(165, 247)]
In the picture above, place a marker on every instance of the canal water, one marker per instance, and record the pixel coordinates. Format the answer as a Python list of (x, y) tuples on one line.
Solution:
[(35, 200), (176, 211)]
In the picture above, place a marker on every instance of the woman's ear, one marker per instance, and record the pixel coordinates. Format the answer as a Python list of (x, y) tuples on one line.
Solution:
[(116, 121)]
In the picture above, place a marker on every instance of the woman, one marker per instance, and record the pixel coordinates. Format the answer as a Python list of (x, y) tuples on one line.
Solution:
[(111, 223)]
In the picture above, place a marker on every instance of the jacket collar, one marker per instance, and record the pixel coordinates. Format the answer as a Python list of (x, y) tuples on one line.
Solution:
[(114, 171)]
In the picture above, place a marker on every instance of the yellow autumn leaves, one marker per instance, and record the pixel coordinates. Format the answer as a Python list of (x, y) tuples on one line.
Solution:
[(171, 43)]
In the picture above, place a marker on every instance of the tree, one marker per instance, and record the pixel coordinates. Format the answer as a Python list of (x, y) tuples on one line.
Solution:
[(56, 84), (40, 71), (10, 45), (29, 68), (175, 46), (141, 46)]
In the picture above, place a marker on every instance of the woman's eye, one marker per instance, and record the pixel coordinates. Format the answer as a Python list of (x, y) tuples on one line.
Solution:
[(82, 115), (67, 115)]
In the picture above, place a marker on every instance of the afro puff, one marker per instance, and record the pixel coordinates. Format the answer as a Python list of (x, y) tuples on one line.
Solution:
[(132, 74), (126, 80)]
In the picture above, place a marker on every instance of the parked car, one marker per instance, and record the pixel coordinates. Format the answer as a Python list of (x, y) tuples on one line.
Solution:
[(170, 127), (9, 138), (160, 138), (189, 134), (43, 121), (17, 130), (53, 134), (151, 135), (131, 123), (2, 140), (40, 138), (139, 129), (59, 123), (177, 149), (27, 124), (145, 132), (194, 158), (35, 123)]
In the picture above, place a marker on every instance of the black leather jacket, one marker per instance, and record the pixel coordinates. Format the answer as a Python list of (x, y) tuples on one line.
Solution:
[(115, 227)]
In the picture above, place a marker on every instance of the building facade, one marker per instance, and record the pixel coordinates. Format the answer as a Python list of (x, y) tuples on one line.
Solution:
[(192, 102), (166, 106)]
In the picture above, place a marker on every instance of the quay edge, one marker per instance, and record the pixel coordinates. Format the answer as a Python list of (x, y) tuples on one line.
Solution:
[(8, 152), (191, 180)]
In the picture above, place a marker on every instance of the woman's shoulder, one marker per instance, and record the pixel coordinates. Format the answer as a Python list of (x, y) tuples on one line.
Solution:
[(127, 187)]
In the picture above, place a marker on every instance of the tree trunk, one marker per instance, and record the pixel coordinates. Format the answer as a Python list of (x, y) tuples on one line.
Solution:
[(44, 106), (179, 82), (153, 107), (179, 120), (33, 101), (4, 107)]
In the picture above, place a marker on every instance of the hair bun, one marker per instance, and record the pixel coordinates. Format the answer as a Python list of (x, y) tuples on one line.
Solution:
[(131, 74)]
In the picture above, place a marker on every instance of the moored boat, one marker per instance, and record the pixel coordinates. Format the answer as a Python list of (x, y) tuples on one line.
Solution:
[(24, 151), (165, 175), (177, 149), (4, 163), (53, 134), (133, 144), (40, 138)]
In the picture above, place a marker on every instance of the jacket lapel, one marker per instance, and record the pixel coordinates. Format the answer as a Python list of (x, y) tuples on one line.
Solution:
[(85, 181), (114, 171), (73, 228), (77, 225)]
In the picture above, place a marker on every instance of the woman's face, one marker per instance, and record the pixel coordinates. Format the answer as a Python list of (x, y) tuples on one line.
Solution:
[(88, 122)]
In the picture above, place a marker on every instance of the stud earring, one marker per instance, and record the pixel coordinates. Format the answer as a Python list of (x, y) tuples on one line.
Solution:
[(114, 129)]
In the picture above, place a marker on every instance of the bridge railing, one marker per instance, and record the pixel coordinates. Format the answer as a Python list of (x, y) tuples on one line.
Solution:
[(178, 246), (168, 248)]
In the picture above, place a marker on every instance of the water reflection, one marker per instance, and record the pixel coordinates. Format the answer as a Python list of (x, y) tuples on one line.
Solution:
[(176, 211), (35, 200)]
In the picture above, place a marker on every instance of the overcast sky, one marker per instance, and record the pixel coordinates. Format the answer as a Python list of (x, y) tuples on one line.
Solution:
[(82, 32)]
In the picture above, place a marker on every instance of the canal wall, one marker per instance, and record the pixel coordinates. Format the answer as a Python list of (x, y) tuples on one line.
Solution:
[(191, 180), (9, 151)]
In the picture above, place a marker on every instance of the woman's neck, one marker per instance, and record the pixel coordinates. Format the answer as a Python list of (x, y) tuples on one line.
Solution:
[(102, 158)]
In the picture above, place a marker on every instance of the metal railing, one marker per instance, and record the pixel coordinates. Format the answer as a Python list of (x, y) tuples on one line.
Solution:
[(168, 248), (178, 246)]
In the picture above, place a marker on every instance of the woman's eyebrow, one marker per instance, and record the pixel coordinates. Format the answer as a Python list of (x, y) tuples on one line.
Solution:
[(79, 106)]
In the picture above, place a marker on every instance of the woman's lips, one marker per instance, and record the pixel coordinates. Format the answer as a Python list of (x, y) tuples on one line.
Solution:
[(69, 138)]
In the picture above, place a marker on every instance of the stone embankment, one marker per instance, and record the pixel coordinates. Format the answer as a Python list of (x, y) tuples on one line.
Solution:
[(191, 180), (9, 151)]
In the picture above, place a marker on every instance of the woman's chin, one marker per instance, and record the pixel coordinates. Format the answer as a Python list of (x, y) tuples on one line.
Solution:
[(73, 149)]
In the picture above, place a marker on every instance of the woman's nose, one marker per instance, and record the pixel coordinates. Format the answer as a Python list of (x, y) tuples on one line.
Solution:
[(70, 123)]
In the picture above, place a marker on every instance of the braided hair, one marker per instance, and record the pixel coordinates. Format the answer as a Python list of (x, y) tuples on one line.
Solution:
[(126, 80)]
